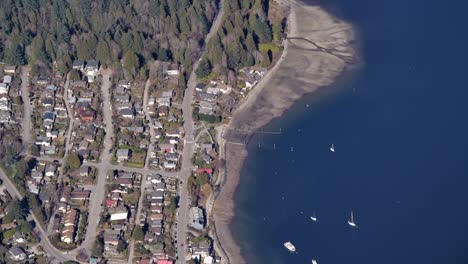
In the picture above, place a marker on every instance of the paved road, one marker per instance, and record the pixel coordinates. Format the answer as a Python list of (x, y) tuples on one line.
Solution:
[(70, 127), (146, 169), (189, 146), (103, 167), (26, 124)]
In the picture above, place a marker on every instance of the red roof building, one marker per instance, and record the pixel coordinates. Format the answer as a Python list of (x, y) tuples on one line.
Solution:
[(207, 170), (164, 261), (111, 203)]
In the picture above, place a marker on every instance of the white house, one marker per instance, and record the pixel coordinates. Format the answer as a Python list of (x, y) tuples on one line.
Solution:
[(196, 218), (118, 213), (4, 88), (17, 253), (7, 79), (122, 155), (170, 165)]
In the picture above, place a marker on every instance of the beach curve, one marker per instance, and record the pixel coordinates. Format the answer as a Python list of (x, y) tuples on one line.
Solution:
[(316, 52)]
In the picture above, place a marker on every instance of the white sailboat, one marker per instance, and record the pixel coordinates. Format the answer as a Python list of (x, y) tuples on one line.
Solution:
[(314, 261), (332, 148), (313, 217), (351, 220)]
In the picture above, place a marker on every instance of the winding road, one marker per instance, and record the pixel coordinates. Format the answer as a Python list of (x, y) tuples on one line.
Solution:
[(189, 147)]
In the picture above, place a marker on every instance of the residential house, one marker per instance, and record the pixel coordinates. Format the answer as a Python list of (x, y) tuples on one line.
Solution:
[(165, 261), (19, 237), (9, 69), (213, 90), (172, 69), (42, 81), (69, 218), (163, 110), (201, 249), (199, 87), (50, 171), (84, 171), (111, 203), (67, 234), (173, 132), (207, 97), (154, 178), (33, 187), (7, 79), (8, 226), (87, 115), (78, 65), (118, 213), (209, 260), (4, 88), (124, 83), (167, 148), (37, 176), (43, 141), (160, 186), (92, 69), (122, 155), (157, 195), (17, 253), (196, 218), (206, 147), (158, 125), (80, 195), (174, 157), (167, 94), (164, 101), (62, 207), (205, 170), (66, 194), (170, 165), (156, 209), (127, 113), (125, 182)]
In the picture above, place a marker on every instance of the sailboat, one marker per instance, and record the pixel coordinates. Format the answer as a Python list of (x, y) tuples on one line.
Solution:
[(313, 217), (314, 261), (351, 221), (332, 148)]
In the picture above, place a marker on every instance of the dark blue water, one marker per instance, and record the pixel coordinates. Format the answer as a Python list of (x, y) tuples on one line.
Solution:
[(401, 158)]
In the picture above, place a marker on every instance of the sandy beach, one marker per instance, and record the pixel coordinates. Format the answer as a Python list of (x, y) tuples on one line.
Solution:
[(317, 51)]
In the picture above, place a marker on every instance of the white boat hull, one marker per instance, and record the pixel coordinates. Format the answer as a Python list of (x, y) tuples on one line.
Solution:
[(289, 246)]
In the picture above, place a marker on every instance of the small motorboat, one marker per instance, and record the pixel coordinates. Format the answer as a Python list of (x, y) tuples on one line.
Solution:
[(290, 246)]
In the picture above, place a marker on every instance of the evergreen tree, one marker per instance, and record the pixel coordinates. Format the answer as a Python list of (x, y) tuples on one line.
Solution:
[(131, 63), (103, 52), (263, 31), (38, 50), (163, 54), (204, 68), (15, 55)]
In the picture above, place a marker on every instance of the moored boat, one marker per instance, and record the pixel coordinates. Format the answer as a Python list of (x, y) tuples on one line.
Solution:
[(290, 246)]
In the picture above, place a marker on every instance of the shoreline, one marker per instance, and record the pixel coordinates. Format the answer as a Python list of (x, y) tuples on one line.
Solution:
[(316, 53)]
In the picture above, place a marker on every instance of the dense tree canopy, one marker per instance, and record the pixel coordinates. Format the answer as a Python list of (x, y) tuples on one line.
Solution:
[(247, 23), (44, 31)]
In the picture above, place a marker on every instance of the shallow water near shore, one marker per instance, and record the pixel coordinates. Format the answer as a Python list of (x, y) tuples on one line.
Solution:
[(399, 127)]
